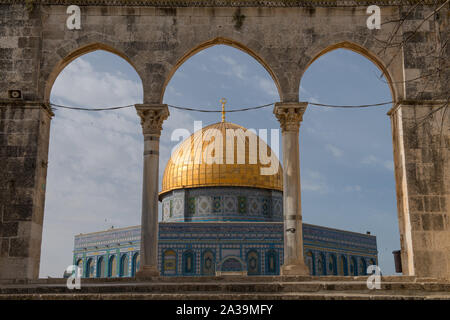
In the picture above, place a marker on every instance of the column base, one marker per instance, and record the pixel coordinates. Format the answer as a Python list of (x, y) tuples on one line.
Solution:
[(147, 272), (298, 268)]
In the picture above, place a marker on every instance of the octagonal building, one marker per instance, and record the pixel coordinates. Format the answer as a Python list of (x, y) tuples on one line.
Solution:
[(222, 212)]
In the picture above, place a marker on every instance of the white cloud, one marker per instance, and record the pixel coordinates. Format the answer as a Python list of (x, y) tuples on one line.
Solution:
[(335, 151), (79, 84), (314, 181), (389, 164), (355, 188), (268, 86), (236, 69), (372, 160)]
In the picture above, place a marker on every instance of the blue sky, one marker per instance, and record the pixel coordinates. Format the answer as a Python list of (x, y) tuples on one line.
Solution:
[(95, 159)]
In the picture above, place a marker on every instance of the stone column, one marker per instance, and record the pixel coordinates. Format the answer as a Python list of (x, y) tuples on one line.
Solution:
[(152, 117), (290, 115)]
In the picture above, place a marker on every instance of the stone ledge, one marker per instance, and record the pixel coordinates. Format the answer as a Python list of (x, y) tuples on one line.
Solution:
[(226, 3)]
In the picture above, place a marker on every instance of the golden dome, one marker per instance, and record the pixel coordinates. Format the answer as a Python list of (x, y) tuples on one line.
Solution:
[(186, 170)]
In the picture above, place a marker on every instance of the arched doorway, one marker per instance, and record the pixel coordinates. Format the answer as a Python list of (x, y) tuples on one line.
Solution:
[(231, 264), (124, 265), (89, 271), (309, 260), (343, 266), (362, 266), (100, 267), (321, 265), (253, 263), (272, 265), (112, 266), (188, 262), (169, 262), (135, 264), (208, 263), (332, 265), (353, 266)]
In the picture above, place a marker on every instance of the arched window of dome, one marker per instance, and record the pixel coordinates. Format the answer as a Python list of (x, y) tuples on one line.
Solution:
[(253, 264), (343, 266), (89, 271), (188, 262), (309, 261), (208, 263), (112, 266), (332, 265), (271, 262), (353, 266), (169, 265), (135, 263), (79, 264), (321, 265), (100, 267), (362, 266), (124, 265)]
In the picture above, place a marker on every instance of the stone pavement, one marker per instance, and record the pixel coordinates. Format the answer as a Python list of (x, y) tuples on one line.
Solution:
[(230, 288)]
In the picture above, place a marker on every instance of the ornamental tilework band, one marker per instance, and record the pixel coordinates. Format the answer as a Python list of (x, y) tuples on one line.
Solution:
[(196, 249)]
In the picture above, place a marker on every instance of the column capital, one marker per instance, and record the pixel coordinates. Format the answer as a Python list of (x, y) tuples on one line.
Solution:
[(152, 117), (290, 114)]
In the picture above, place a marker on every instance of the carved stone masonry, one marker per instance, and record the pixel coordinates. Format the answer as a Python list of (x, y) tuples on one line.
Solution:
[(290, 114), (152, 117)]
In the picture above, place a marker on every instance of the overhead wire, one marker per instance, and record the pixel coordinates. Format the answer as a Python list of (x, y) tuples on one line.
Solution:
[(216, 111)]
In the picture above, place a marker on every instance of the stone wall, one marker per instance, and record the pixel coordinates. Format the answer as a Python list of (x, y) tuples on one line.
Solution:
[(24, 136)]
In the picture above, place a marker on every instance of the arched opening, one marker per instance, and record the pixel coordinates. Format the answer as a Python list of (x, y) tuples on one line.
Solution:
[(321, 265), (343, 266), (253, 263), (332, 265), (202, 78), (79, 265), (100, 267), (89, 270), (231, 264), (169, 262), (362, 266), (124, 265), (353, 266), (135, 264), (188, 262), (272, 262), (94, 178), (346, 158), (112, 266), (309, 259), (208, 263)]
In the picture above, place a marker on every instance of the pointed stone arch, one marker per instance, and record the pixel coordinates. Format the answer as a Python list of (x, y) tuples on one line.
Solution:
[(50, 76), (221, 41), (396, 91)]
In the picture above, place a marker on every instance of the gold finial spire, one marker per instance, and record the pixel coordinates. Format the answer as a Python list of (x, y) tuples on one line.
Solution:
[(223, 101)]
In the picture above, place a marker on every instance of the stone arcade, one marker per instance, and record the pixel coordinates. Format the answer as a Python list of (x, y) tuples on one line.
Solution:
[(285, 37)]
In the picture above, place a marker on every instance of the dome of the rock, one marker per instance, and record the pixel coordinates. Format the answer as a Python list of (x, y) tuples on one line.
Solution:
[(209, 179)]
